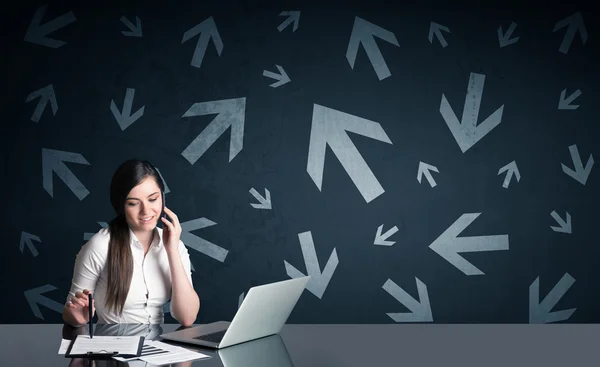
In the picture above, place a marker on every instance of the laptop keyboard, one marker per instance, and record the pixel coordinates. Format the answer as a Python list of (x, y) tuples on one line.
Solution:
[(212, 337)]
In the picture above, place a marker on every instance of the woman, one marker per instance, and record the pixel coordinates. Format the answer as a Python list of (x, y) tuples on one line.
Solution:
[(134, 267)]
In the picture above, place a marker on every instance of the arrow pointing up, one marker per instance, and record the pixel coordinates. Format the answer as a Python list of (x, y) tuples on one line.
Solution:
[(37, 33), (125, 119), (580, 174), (208, 29), (510, 169), (292, 16), (53, 161), (575, 23), (424, 169), (34, 297), (466, 132), (539, 312), (437, 29), (231, 112), (46, 95), (329, 127), (26, 238), (363, 32), (319, 281)]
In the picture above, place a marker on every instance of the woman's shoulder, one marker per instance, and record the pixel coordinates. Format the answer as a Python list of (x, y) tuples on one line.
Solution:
[(98, 243)]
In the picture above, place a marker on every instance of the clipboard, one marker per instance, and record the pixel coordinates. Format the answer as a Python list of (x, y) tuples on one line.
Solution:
[(105, 354)]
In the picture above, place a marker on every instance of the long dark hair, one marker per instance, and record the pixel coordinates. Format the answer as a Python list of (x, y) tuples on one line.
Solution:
[(120, 259)]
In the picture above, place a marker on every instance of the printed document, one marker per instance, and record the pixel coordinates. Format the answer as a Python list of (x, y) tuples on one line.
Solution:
[(106, 344)]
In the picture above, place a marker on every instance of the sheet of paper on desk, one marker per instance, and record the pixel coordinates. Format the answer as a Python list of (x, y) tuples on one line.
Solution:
[(101, 343), (159, 353)]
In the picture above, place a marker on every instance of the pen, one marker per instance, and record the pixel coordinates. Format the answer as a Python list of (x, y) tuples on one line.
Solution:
[(90, 310)]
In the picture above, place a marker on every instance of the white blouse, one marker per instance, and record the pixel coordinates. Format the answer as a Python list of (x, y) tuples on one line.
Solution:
[(150, 284)]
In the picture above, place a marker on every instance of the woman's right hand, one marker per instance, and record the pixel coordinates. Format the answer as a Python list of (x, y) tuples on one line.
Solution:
[(78, 306)]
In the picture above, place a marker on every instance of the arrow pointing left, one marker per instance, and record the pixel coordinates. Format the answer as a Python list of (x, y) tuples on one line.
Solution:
[(47, 95), (437, 29), (200, 244), (26, 238), (37, 33), (54, 161), (34, 298)]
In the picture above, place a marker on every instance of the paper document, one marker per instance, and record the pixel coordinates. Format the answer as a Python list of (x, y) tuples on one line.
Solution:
[(158, 353), (105, 344), (64, 345)]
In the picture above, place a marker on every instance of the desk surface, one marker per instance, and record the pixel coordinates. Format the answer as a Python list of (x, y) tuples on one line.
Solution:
[(344, 345)]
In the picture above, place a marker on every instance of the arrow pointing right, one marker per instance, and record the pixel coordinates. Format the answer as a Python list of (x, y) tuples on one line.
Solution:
[(37, 33), (282, 78), (200, 244), (421, 312), (53, 161), (539, 312), (47, 95), (34, 297), (579, 174), (26, 238)]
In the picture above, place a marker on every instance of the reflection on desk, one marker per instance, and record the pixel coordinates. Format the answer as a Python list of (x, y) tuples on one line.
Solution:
[(266, 352)]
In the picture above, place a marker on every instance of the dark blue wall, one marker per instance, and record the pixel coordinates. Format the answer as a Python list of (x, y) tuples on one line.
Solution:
[(518, 248)]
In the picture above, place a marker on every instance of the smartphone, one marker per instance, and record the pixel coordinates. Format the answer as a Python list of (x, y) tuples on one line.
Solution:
[(162, 213)]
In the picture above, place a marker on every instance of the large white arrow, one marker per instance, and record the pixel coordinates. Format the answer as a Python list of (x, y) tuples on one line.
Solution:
[(208, 30), (318, 281), (200, 244), (539, 312), (54, 161), (125, 118), (448, 244), (466, 132), (231, 112), (363, 32), (34, 297), (420, 311), (580, 174), (46, 95), (329, 128), (36, 32)]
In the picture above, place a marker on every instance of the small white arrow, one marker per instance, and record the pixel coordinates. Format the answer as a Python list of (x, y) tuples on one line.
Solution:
[(34, 297), (363, 32), (292, 16), (282, 78), (437, 29), (420, 311), (46, 95), (565, 227), (466, 132), (580, 174), (37, 33), (575, 23), (87, 235), (448, 244), (504, 39), (319, 280), (54, 161), (208, 31), (424, 169), (134, 30), (200, 244), (26, 238), (381, 239), (565, 103), (510, 169), (539, 312), (265, 202), (125, 118)]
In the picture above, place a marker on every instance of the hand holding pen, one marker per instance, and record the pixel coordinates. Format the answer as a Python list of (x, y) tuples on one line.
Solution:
[(78, 306)]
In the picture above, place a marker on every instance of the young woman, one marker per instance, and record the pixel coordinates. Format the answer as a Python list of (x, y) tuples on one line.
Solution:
[(133, 267)]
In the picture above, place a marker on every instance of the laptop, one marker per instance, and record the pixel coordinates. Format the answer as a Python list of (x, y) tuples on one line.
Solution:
[(263, 312)]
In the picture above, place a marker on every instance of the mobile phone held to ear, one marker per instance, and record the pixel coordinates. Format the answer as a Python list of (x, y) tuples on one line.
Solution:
[(162, 213)]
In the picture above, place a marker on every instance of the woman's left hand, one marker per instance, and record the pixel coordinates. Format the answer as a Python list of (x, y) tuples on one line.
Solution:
[(171, 231)]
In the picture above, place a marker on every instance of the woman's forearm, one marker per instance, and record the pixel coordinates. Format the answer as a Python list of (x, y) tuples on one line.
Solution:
[(185, 302)]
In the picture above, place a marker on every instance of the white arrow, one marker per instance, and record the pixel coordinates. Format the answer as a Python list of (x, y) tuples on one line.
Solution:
[(437, 29), (381, 240), (510, 169), (34, 298), (282, 78), (46, 95), (134, 30), (53, 161), (87, 235), (363, 32), (539, 312), (504, 39), (37, 33), (231, 112), (26, 238), (200, 244), (565, 103), (318, 281), (292, 16), (448, 244), (420, 311), (575, 23), (125, 118), (265, 202), (424, 169), (580, 174), (329, 127), (466, 132), (208, 28), (565, 227)]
